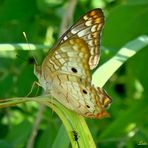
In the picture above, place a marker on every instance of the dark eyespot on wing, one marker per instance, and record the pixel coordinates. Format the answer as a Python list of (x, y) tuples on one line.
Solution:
[(74, 70), (88, 106), (84, 91)]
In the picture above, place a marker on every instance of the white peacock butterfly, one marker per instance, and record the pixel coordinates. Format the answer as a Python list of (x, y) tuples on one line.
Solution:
[(66, 70)]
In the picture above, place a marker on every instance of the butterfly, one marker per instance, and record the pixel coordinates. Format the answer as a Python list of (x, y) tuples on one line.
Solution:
[(66, 70)]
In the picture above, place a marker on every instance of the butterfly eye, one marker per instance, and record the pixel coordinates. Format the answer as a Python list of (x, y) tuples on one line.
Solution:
[(74, 70)]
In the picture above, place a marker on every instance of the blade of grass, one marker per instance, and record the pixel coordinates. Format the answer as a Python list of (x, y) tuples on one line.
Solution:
[(61, 141), (21, 46)]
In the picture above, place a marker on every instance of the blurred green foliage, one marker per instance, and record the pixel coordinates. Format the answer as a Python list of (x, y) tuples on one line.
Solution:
[(125, 20)]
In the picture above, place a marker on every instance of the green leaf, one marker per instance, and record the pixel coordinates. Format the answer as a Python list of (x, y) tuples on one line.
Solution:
[(18, 134), (124, 23), (61, 139)]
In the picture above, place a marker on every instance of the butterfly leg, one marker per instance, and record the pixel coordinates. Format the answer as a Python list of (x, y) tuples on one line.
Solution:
[(35, 83)]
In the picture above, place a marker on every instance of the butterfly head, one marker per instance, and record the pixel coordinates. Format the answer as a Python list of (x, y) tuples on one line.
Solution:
[(38, 73)]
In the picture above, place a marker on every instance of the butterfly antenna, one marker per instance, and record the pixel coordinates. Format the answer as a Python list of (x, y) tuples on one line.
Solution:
[(34, 83), (25, 36)]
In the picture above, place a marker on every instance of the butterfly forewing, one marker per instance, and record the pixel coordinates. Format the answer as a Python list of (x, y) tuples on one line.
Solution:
[(88, 28), (71, 58)]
